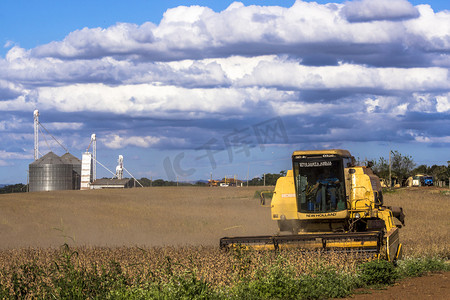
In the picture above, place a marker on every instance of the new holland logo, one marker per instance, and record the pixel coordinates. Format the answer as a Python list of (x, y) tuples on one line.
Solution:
[(321, 215)]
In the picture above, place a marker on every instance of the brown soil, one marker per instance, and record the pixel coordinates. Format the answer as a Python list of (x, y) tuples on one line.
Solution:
[(156, 216), (432, 286)]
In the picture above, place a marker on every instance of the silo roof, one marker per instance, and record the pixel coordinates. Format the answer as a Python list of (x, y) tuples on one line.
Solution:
[(49, 159), (70, 159)]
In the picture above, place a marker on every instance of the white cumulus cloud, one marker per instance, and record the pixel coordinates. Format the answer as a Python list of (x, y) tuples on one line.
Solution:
[(198, 32), (115, 141), (4, 155), (369, 10)]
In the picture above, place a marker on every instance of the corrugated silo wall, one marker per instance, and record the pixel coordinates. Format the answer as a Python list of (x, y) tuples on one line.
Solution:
[(50, 177), (76, 176), (69, 159)]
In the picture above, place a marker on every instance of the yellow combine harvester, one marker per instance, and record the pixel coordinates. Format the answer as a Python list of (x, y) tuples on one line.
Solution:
[(327, 202)]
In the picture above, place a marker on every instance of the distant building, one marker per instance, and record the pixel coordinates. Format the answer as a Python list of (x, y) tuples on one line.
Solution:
[(417, 180), (422, 180), (106, 183)]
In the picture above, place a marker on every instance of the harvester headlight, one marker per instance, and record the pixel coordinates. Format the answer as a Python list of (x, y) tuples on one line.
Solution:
[(357, 216)]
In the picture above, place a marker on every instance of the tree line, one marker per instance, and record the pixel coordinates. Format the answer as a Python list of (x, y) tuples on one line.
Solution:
[(14, 188), (161, 182), (267, 179), (403, 167)]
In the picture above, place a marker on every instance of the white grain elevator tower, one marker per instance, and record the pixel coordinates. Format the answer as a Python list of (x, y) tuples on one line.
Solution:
[(119, 168), (89, 165)]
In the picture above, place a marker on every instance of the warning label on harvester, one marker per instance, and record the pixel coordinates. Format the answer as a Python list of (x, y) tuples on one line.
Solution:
[(287, 195)]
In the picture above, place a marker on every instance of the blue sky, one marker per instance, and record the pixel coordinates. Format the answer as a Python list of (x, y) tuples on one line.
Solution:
[(189, 88)]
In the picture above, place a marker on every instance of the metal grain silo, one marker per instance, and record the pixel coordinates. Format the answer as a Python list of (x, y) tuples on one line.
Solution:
[(76, 169), (50, 173)]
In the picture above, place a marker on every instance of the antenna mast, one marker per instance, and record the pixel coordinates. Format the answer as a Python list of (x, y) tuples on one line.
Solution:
[(94, 156), (36, 134), (93, 142)]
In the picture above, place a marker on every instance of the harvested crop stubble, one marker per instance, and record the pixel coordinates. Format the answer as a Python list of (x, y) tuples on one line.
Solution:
[(427, 220)]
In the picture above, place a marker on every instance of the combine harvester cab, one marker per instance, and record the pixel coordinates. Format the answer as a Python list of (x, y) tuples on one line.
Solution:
[(326, 202)]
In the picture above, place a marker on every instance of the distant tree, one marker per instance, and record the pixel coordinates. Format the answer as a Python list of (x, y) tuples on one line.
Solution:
[(381, 168), (255, 181), (401, 167), (270, 179), (422, 169), (438, 172), (159, 182), (145, 181), (14, 188)]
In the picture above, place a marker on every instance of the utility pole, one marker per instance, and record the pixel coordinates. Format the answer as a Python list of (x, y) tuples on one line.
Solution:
[(264, 179), (248, 170), (448, 167), (390, 178)]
